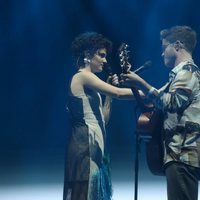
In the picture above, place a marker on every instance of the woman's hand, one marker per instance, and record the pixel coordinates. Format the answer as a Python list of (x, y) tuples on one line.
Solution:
[(114, 80)]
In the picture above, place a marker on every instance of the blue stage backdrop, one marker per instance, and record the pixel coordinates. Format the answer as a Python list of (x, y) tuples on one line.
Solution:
[(36, 65)]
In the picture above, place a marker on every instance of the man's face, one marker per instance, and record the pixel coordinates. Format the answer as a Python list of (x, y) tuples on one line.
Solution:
[(168, 53)]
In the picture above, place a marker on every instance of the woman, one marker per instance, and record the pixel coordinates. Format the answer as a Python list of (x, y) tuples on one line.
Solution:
[(87, 174)]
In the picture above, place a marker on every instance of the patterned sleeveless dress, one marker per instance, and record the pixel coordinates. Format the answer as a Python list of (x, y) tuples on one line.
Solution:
[(86, 157)]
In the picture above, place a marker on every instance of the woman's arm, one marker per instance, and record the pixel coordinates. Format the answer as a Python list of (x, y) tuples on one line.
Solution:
[(107, 106), (90, 80)]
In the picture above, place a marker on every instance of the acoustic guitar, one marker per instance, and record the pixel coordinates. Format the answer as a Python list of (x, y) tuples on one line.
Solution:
[(149, 124)]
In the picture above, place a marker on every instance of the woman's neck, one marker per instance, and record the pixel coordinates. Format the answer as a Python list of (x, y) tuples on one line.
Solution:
[(85, 69)]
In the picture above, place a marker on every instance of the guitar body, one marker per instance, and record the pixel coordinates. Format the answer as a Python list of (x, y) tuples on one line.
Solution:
[(149, 127)]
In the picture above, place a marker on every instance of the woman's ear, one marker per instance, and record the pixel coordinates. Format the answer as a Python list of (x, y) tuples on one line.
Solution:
[(87, 57), (87, 54)]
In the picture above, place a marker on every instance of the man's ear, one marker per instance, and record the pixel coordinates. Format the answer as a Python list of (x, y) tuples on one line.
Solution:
[(178, 45)]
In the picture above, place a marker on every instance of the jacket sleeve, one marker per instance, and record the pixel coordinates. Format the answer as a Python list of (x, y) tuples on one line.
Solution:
[(180, 93)]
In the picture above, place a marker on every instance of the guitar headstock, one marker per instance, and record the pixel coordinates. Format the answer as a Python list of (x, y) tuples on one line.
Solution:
[(123, 53)]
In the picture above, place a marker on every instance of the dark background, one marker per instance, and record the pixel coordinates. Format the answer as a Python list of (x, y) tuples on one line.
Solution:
[(36, 64)]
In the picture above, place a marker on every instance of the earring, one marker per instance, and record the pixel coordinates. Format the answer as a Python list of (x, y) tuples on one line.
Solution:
[(86, 60)]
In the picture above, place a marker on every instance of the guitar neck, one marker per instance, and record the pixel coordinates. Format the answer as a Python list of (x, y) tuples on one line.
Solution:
[(125, 66)]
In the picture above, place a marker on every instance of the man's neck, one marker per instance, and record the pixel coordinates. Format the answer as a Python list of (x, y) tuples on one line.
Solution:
[(182, 57)]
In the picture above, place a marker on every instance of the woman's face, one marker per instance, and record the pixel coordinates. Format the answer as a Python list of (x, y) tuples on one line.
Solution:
[(98, 60)]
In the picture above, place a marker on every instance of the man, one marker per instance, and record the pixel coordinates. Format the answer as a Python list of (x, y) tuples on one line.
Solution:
[(179, 100)]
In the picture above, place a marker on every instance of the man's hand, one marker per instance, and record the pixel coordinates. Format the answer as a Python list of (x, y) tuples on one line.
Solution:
[(130, 79)]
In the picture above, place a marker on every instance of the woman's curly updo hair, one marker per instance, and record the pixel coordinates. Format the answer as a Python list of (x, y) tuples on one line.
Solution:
[(89, 43)]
